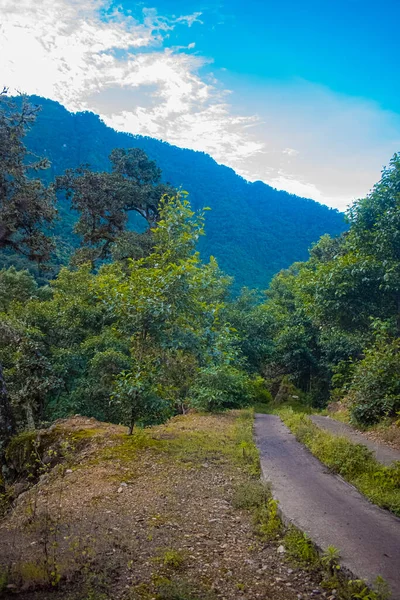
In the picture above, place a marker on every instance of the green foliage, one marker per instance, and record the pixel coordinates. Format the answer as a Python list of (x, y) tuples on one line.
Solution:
[(104, 201), (335, 320), (26, 204), (236, 227), (137, 341), (220, 386), (300, 548), (357, 589), (268, 521), (375, 388), (172, 559)]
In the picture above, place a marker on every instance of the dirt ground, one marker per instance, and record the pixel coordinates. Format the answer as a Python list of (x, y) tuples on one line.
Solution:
[(148, 516)]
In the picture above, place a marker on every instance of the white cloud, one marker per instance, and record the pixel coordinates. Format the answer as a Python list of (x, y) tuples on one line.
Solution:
[(340, 142), (290, 152), (64, 50), (297, 136)]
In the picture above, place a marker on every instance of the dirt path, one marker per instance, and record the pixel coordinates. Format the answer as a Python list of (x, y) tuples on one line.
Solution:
[(328, 509), (135, 515), (383, 453)]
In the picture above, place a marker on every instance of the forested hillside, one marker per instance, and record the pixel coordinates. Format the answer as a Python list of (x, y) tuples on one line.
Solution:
[(252, 229)]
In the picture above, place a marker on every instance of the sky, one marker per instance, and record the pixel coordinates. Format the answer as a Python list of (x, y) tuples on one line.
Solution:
[(303, 95)]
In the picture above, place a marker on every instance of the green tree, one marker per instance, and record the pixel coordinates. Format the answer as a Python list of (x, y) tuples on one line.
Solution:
[(104, 202), (27, 207)]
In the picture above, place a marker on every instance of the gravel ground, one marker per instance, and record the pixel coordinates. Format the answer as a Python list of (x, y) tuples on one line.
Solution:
[(108, 523)]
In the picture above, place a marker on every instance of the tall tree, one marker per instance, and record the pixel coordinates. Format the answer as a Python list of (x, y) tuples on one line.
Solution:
[(104, 202), (27, 207)]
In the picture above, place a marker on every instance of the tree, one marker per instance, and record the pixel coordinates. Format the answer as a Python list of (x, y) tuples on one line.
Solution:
[(27, 207), (375, 227), (104, 202)]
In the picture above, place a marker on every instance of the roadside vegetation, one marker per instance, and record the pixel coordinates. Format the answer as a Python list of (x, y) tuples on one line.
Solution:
[(354, 462)]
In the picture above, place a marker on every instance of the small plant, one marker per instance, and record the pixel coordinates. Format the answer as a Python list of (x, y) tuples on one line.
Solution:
[(300, 548), (172, 559), (270, 524), (330, 559), (182, 590), (251, 495), (359, 590)]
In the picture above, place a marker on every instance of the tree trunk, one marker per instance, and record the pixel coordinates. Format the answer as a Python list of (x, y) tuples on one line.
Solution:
[(29, 417), (7, 422)]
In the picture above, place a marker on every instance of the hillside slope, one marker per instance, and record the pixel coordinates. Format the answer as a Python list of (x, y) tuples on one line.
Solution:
[(160, 514), (253, 229)]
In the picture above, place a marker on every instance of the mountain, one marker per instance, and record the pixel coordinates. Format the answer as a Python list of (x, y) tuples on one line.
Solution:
[(253, 229)]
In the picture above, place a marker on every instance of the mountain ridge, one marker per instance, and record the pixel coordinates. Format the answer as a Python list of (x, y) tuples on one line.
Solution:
[(253, 229)]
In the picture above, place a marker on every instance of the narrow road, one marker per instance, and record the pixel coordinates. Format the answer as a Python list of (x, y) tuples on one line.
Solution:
[(328, 509), (383, 453)]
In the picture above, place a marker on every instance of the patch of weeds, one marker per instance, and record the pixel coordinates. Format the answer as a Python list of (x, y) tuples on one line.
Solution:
[(354, 462), (300, 548), (255, 496), (30, 574), (247, 451), (330, 560), (251, 495), (171, 559), (129, 445), (182, 590), (357, 589), (268, 521)]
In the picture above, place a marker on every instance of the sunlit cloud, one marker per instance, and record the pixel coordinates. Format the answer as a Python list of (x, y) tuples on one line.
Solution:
[(70, 52), (296, 136)]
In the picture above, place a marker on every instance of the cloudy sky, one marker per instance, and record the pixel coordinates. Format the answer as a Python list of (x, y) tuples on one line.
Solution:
[(301, 95)]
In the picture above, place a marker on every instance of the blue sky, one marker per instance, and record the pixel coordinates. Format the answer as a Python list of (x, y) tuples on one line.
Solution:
[(302, 95), (350, 46)]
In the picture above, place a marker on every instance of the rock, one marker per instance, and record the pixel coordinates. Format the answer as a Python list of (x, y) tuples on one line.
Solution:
[(19, 488), (281, 549), (123, 484), (68, 471)]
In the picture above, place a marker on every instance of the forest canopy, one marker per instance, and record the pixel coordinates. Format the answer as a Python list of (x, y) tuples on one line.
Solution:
[(138, 327)]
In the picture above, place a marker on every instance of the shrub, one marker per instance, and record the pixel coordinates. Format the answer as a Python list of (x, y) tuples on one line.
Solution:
[(220, 387), (375, 388)]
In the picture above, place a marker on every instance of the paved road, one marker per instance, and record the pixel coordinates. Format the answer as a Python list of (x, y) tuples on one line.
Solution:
[(383, 453), (328, 509)]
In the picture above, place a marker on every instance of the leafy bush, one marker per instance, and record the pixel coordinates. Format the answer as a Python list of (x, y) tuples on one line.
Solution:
[(375, 388), (219, 387)]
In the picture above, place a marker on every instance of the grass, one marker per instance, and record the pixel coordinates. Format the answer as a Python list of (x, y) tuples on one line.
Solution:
[(354, 462), (300, 549)]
